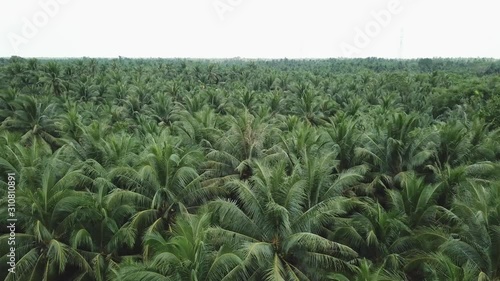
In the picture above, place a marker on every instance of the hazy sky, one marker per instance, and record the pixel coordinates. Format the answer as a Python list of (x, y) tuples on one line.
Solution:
[(250, 28)]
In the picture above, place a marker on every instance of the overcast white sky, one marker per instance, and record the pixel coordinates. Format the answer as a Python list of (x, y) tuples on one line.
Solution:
[(250, 28)]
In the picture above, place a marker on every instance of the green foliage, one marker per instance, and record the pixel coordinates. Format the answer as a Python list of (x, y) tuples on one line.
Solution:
[(364, 169)]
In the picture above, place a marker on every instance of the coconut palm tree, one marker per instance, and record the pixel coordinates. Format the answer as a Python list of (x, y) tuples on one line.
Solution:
[(46, 214), (165, 177), (478, 212), (10, 100), (344, 134), (416, 201), (51, 79), (102, 235), (202, 127), (184, 255), (244, 141), (276, 231), (35, 119), (397, 145), (381, 236)]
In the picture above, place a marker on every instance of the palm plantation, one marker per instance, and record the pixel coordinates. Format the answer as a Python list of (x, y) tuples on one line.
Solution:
[(363, 169)]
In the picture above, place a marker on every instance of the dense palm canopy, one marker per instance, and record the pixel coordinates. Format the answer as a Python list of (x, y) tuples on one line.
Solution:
[(251, 170)]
